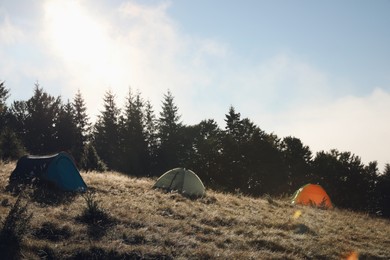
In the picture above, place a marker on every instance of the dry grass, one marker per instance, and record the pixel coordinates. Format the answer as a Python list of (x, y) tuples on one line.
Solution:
[(150, 224)]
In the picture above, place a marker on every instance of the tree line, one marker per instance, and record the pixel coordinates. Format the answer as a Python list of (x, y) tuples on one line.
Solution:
[(133, 140)]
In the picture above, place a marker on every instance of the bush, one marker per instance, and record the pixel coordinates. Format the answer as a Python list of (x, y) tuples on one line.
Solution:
[(93, 213), (10, 146), (97, 219), (90, 160), (15, 227)]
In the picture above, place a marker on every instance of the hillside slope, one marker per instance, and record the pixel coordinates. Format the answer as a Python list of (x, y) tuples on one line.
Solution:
[(139, 222)]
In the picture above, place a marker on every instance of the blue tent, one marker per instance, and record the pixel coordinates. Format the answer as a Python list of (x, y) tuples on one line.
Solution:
[(58, 169)]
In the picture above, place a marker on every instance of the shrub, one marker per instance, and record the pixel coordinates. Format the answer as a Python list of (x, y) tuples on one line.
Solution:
[(11, 147), (15, 227), (90, 160), (97, 218), (93, 213)]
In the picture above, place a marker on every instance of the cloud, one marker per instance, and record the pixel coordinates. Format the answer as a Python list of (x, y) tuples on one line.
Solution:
[(9, 33), (356, 124), (290, 97), (131, 45)]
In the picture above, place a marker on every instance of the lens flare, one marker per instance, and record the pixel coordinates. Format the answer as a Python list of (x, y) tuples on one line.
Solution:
[(297, 214)]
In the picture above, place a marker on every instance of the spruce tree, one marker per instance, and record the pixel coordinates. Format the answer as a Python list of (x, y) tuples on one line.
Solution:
[(82, 125), (4, 94), (106, 132), (18, 118), (383, 192), (297, 160), (232, 173), (169, 126), (250, 159), (11, 147), (66, 128), (207, 148), (344, 177), (133, 138), (150, 129), (39, 126)]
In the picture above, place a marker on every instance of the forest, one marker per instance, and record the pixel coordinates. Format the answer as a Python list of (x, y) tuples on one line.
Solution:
[(134, 140)]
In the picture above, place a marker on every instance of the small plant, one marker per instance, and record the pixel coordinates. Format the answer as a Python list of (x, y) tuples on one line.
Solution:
[(269, 199), (93, 213), (15, 227), (97, 219)]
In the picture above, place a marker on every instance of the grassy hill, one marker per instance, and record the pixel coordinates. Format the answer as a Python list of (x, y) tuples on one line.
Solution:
[(127, 219)]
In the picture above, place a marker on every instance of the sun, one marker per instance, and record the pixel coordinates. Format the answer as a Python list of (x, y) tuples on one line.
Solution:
[(73, 34), (82, 42)]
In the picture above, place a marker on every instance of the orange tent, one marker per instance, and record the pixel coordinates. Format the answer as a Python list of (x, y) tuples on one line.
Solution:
[(312, 194)]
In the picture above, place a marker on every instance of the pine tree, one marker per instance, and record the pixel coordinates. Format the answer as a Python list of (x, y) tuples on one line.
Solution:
[(42, 113), (207, 152), (383, 192), (169, 126), (66, 128), (11, 147), (18, 118), (82, 125), (133, 138), (106, 132), (233, 121), (150, 129), (4, 94), (344, 177), (297, 160)]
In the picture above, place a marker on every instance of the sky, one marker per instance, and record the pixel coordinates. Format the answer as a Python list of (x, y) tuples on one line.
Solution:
[(315, 70)]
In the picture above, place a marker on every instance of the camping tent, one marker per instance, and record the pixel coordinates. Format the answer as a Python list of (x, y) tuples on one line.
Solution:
[(312, 194), (58, 169), (183, 180)]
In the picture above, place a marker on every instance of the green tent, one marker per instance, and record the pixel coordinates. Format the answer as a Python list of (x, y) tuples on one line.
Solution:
[(182, 180), (58, 169)]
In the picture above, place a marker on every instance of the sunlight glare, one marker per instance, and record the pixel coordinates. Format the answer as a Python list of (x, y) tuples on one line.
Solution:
[(297, 214), (81, 41), (73, 33)]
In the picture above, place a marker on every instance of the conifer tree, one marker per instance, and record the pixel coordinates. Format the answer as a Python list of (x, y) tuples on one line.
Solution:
[(169, 126), (133, 139), (39, 127), (383, 192), (150, 129), (18, 118), (11, 147), (250, 159), (82, 125), (231, 153), (66, 128), (4, 94), (207, 152), (344, 177), (106, 132), (297, 160)]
